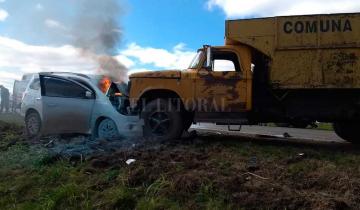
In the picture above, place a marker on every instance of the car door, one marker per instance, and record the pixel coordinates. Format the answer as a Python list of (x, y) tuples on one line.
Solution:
[(67, 105), (223, 88)]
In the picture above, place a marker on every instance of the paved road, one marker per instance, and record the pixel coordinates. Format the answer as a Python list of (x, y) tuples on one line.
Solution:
[(306, 134)]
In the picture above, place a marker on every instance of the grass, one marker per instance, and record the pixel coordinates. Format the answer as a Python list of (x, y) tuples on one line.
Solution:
[(208, 175), (325, 126), (13, 118), (320, 126)]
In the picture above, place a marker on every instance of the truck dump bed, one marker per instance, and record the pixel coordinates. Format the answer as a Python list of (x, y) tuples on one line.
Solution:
[(313, 51)]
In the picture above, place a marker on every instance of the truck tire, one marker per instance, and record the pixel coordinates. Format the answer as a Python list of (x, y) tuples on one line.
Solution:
[(348, 131), (161, 120)]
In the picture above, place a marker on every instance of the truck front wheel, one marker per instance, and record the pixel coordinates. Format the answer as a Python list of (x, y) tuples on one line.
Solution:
[(162, 120), (348, 131)]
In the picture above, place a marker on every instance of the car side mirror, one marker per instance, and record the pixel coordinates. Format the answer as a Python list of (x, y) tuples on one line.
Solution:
[(88, 95)]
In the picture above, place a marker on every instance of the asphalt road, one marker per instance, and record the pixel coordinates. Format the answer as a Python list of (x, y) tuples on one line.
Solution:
[(273, 132)]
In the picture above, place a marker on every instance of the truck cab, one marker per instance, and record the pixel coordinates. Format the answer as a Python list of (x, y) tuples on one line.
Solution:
[(215, 88)]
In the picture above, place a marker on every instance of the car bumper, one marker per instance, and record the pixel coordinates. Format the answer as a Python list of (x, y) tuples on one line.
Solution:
[(130, 126)]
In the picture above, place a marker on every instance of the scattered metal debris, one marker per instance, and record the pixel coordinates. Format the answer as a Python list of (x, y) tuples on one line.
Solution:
[(252, 164), (255, 175), (130, 161)]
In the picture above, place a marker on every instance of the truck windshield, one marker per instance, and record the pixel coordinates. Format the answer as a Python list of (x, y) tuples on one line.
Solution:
[(197, 59)]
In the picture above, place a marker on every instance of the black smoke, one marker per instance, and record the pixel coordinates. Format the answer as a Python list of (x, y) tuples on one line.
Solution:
[(97, 32)]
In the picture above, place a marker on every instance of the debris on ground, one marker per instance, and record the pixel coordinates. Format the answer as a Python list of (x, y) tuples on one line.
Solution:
[(130, 161), (286, 135), (252, 164), (85, 145)]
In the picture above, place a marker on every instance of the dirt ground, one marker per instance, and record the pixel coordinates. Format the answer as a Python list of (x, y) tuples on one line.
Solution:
[(205, 172)]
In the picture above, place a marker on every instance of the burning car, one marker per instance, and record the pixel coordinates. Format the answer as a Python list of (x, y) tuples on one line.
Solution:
[(68, 103)]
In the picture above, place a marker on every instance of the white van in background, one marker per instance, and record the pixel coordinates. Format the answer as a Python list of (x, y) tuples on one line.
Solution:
[(19, 90)]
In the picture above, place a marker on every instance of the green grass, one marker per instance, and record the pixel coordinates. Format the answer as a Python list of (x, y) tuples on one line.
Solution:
[(12, 118), (320, 126), (325, 126), (210, 175)]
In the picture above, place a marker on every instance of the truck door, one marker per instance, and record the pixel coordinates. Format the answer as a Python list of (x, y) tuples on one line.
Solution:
[(67, 105), (223, 87)]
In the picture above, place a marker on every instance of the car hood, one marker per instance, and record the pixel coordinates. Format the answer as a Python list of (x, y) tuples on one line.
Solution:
[(171, 74)]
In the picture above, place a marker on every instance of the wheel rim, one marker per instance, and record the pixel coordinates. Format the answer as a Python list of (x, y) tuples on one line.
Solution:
[(159, 123), (108, 129), (33, 125)]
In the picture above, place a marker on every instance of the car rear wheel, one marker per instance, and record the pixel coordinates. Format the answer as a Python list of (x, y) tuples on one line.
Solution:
[(348, 131), (108, 130), (161, 120), (33, 125)]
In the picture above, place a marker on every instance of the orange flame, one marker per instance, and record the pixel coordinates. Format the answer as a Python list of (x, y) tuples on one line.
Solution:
[(105, 84)]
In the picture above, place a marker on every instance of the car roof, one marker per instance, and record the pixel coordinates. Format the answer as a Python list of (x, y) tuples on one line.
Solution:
[(70, 75), (66, 74), (92, 79)]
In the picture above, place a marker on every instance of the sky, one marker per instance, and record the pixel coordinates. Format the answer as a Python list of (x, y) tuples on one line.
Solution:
[(156, 34)]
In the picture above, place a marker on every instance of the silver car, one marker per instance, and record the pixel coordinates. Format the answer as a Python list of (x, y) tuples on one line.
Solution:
[(68, 103)]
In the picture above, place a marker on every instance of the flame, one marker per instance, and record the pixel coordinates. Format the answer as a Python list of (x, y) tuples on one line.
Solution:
[(105, 84)]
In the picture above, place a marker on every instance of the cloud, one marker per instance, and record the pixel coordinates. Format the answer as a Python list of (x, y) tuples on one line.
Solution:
[(18, 58), (177, 58), (3, 15), (262, 8), (50, 23)]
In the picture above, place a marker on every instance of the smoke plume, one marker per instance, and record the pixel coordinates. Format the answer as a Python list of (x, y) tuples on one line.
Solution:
[(97, 32)]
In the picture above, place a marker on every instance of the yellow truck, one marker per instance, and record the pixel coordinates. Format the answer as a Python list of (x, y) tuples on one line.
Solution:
[(290, 69)]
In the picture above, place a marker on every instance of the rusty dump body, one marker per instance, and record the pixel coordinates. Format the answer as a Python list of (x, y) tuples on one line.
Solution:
[(294, 69)]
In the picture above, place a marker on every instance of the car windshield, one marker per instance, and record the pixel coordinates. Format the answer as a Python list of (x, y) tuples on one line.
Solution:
[(197, 59)]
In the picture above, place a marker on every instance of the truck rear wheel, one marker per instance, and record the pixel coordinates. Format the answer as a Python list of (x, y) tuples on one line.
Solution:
[(161, 120), (348, 131)]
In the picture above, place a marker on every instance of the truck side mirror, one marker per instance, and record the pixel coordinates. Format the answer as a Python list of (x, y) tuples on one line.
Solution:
[(208, 58)]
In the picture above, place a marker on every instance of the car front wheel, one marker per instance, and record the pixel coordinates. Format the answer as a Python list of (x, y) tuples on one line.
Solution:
[(107, 129)]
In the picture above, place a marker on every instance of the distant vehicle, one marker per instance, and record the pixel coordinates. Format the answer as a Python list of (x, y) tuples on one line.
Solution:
[(67, 103), (19, 89)]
